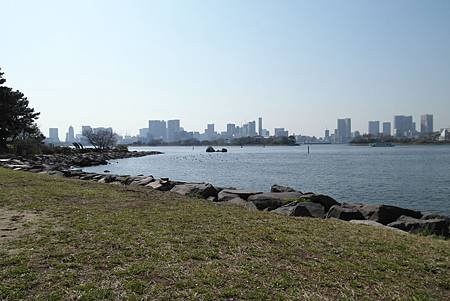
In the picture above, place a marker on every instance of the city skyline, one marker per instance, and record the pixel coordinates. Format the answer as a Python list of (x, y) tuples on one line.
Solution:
[(172, 131), (212, 61)]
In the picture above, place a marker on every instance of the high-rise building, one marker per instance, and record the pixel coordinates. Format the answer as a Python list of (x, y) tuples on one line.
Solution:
[(143, 135), (260, 127), (387, 129), (403, 126), (344, 130), (245, 132), (374, 128), (252, 129), (426, 124), (231, 130), (281, 132), (157, 130), (327, 135), (210, 133), (173, 128), (70, 135), (53, 136)]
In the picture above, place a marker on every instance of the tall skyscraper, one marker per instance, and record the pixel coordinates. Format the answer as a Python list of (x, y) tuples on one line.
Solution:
[(327, 135), (245, 132), (344, 130), (252, 128), (426, 124), (387, 129), (260, 127), (374, 128), (210, 133), (157, 130), (53, 136), (231, 129), (173, 128), (403, 126), (70, 136)]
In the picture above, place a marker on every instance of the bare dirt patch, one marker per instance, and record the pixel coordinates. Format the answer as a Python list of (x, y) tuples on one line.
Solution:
[(14, 224)]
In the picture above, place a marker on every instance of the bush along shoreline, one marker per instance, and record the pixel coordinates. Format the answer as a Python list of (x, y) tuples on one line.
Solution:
[(280, 200)]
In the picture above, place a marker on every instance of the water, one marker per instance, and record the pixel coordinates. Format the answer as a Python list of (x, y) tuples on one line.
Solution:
[(415, 177)]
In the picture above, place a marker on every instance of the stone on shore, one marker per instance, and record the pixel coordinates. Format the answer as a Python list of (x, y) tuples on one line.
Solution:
[(273, 200), (280, 188), (143, 181), (237, 201), (345, 213), (435, 226), (326, 201), (374, 224), (307, 209), (161, 185), (385, 214), (203, 190), (229, 194)]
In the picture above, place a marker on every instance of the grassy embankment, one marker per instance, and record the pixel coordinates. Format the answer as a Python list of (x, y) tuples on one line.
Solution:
[(67, 239)]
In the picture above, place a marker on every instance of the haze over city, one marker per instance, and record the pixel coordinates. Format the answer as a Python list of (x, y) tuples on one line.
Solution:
[(120, 64)]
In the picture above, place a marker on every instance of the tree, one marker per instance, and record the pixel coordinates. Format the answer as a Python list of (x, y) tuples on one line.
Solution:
[(101, 139), (17, 120)]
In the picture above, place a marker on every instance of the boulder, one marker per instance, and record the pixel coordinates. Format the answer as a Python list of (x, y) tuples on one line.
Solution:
[(144, 181), (429, 226), (326, 201), (344, 213), (202, 190), (228, 194), (280, 188), (161, 185), (385, 214), (374, 224), (435, 215), (210, 149), (301, 209), (273, 200), (237, 201)]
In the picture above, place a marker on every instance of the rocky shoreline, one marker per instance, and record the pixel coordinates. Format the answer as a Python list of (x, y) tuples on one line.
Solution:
[(281, 200)]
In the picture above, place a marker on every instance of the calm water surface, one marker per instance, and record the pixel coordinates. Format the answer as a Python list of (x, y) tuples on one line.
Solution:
[(409, 176)]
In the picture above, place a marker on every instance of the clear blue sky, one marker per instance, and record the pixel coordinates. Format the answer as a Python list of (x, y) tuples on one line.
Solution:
[(298, 64)]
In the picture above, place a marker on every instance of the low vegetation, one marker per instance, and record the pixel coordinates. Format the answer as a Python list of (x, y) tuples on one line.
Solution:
[(67, 239)]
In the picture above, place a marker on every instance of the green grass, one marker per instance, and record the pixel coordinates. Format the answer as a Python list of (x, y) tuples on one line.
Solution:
[(96, 241)]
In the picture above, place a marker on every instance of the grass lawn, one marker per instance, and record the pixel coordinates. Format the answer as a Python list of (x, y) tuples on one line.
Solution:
[(67, 239)]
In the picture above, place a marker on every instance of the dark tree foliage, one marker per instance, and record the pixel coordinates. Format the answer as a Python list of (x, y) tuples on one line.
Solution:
[(17, 120), (101, 139)]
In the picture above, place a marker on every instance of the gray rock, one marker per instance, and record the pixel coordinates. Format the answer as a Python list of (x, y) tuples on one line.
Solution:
[(385, 214), (344, 213), (238, 202), (435, 215), (326, 201), (280, 188), (145, 181), (228, 194), (301, 209), (430, 226), (202, 190), (161, 185), (375, 224), (273, 200)]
